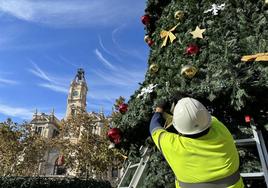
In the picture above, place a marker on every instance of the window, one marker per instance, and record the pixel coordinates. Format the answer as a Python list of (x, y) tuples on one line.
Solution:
[(73, 111), (59, 168), (38, 130), (55, 133), (75, 93), (114, 172)]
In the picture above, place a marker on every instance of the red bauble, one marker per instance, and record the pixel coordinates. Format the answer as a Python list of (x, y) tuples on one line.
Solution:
[(150, 42), (114, 135), (192, 49), (247, 119), (145, 19), (123, 108)]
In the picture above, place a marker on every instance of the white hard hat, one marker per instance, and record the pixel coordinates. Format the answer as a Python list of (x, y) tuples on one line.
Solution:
[(190, 116)]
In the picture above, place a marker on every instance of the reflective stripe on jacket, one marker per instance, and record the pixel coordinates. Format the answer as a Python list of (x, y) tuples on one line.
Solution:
[(208, 158)]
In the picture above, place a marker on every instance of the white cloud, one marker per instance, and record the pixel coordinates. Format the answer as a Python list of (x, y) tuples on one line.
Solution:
[(52, 60), (39, 73), (112, 79), (23, 113), (65, 60), (8, 81), (54, 87), (98, 107), (103, 60), (130, 52), (102, 95), (122, 77), (52, 83), (102, 46), (107, 51), (106, 87), (69, 12), (117, 30)]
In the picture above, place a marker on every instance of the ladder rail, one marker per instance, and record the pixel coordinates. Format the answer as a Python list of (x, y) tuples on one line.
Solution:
[(140, 167), (252, 175), (123, 177), (262, 151), (137, 176), (263, 146), (246, 141)]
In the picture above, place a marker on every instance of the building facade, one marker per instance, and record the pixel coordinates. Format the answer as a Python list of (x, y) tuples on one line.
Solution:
[(47, 125)]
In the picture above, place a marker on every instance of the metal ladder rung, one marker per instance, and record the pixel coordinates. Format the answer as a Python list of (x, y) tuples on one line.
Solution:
[(252, 175), (137, 164), (258, 141), (246, 141)]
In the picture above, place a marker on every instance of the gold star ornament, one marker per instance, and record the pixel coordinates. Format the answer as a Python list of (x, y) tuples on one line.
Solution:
[(198, 33)]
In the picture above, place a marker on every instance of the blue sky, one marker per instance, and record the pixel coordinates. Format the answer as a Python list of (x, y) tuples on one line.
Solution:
[(44, 42)]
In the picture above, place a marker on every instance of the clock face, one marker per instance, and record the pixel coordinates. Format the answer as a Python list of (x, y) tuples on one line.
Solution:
[(75, 93)]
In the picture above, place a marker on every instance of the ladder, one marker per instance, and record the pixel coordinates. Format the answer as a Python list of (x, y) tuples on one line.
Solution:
[(132, 177), (262, 151)]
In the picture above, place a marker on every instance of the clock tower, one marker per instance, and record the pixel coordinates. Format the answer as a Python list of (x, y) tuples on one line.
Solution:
[(77, 94)]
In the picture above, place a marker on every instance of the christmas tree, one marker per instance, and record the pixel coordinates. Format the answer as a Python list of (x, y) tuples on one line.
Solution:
[(214, 51)]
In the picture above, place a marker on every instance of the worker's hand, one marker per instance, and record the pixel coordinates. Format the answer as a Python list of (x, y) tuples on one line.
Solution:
[(166, 106), (159, 109)]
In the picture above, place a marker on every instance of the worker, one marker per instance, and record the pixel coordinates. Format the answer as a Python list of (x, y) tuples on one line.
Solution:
[(203, 153)]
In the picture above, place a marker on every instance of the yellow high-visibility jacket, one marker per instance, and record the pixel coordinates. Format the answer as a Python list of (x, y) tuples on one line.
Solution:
[(198, 160)]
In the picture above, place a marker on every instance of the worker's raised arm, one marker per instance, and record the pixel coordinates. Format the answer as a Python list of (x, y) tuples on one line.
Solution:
[(157, 120)]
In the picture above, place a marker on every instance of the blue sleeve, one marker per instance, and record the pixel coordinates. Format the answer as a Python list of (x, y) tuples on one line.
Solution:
[(157, 122)]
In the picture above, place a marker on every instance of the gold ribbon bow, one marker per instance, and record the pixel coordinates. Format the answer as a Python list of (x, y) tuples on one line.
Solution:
[(168, 34), (256, 57), (169, 120)]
